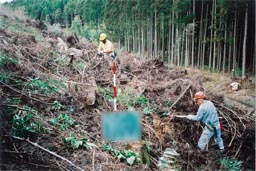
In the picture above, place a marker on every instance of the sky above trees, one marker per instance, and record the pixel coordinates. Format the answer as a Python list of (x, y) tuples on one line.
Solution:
[(3, 1)]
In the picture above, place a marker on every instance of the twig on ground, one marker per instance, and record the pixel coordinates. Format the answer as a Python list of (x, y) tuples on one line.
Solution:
[(93, 159), (50, 152)]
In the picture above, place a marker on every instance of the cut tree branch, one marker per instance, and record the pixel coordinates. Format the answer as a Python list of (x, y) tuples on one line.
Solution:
[(180, 96), (50, 152)]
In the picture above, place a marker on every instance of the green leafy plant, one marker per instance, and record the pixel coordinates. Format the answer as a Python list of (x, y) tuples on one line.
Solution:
[(107, 93), (124, 97), (10, 101), (4, 23), (4, 77), (168, 103), (140, 100), (128, 155), (148, 147), (231, 164), (4, 59), (63, 121), (22, 126), (46, 87), (73, 142), (147, 111), (56, 105)]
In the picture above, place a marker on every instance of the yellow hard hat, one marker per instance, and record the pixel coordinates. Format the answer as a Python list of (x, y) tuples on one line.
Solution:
[(103, 36)]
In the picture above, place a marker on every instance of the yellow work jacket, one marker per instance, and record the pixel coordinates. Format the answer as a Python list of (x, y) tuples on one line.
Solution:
[(107, 47)]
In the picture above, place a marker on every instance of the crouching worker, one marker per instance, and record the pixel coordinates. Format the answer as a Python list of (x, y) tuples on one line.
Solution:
[(106, 48), (207, 114)]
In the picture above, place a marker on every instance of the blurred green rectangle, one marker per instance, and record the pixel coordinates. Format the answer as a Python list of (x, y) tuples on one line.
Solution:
[(121, 126)]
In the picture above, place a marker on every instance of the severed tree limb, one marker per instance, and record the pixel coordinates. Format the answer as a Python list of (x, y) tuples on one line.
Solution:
[(50, 152), (180, 96), (237, 152), (232, 127), (233, 112), (95, 65)]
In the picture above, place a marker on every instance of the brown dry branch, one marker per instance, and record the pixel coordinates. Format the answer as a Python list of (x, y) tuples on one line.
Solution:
[(180, 96), (50, 152)]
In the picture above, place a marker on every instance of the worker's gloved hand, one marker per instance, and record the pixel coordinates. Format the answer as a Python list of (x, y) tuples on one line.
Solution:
[(190, 117), (113, 56), (100, 54)]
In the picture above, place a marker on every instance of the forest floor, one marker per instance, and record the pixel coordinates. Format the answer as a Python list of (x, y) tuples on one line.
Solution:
[(54, 88), (219, 84)]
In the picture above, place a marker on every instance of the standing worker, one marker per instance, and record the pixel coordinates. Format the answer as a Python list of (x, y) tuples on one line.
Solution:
[(207, 114), (106, 47)]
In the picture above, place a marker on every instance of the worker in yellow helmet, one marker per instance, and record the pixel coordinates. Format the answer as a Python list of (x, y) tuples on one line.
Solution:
[(106, 47)]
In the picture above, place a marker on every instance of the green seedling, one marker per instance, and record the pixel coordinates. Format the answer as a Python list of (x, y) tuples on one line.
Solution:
[(128, 155)]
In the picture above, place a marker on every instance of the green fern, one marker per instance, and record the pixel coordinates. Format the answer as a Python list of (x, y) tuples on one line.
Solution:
[(231, 164)]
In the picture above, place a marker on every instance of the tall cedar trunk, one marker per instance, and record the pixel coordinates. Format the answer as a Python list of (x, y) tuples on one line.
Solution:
[(128, 42), (234, 44), (151, 36), (219, 47), (219, 56), (178, 46), (244, 44), (211, 35), (125, 42), (240, 43), (155, 39), (142, 35), (214, 42), (169, 40), (229, 53), (193, 37), (181, 50), (139, 32), (133, 35), (138, 37), (205, 31), (173, 43), (186, 51), (200, 37), (254, 62), (225, 47), (148, 38), (163, 37)]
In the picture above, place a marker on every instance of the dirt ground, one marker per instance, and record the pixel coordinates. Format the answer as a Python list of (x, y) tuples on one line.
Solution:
[(35, 53)]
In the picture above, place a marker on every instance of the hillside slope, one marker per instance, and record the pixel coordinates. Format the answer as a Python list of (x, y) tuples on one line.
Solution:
[(54, 88)]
